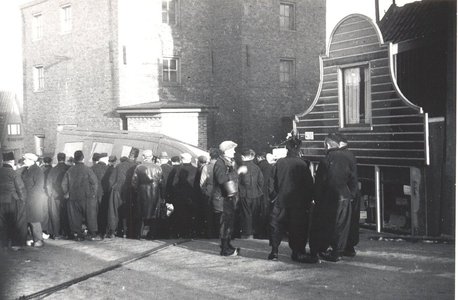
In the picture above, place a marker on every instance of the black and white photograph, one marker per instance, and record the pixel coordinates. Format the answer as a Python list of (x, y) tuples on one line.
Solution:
[(228, 149)]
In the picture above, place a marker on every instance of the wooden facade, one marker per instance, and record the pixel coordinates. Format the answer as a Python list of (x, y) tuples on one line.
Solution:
[(390, 136), (397, 132)]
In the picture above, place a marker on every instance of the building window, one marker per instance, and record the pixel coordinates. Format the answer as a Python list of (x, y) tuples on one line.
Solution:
[(38, 78), (287, 16), (169, 12), (355, 97), (66, 18), (170, 70), (37, 27), (287, 71), (14, 129)]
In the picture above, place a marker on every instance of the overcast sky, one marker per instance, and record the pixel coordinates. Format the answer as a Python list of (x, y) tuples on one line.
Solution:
[(10, 32)]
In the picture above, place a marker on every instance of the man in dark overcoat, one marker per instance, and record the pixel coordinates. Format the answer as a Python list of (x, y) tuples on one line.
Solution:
[(206, 186), (34, 181), (58, 216), (266, 169), (184, 198), (335, 186), (80, 187), (250, 193), (12, 205), (46, 168), (121, 197), (147, 181), (100, 169), (353, 234), (291, 188), (225, 194)]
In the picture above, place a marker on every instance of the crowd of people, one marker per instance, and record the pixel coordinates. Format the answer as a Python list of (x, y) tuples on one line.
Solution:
[(227, 195)]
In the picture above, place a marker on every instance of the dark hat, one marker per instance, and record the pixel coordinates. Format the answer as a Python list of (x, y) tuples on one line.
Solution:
[(47, 160), (95, 156), (334, 137), (175, 159), (123, 159), (61, 156), (214, 153), (112, 158), (78, 156), (342, 137), (8, 156), (103, 155), (202, 159), (261, 154), (293, 143), (247, 152)]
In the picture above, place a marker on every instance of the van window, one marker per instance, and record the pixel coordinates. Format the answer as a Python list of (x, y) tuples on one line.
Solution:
[(71, 147), (98, 147)]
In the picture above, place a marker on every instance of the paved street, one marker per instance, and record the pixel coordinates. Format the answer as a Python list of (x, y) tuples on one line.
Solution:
[(382, 269)]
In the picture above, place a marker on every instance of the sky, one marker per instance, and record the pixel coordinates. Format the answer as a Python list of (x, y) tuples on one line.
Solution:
[(10, 32)]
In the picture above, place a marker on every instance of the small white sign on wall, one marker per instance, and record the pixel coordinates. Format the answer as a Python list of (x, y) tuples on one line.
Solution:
[(407, 190), (309, 135)]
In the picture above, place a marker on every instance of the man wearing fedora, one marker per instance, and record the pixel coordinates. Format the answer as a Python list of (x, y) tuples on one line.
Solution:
[(12, 205), (225, 194), (80, 187), (34, 181)]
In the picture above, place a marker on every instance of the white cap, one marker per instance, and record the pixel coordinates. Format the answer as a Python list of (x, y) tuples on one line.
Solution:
[(186, 158)]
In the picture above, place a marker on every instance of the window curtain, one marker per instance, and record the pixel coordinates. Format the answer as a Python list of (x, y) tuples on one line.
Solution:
[(352, 95)]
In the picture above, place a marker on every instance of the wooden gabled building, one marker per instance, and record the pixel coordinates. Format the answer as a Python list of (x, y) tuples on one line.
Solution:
[(396, 145)]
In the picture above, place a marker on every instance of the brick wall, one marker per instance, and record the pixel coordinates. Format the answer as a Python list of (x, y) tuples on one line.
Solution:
[(78, 69)]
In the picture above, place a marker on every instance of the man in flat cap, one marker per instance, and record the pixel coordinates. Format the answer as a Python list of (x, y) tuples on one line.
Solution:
[(58, 217), (80, 186), (184, 198), (291, 189), (147, 182), (12, 205), (34, 181), (100, 169), (206, 186), (336, 184), (225, 194), (121, 197)]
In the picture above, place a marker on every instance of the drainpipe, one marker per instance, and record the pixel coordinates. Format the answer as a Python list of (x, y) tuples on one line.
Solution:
[(377, 11)]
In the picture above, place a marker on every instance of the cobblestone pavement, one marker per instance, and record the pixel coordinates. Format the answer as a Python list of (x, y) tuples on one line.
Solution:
[(387, 268)]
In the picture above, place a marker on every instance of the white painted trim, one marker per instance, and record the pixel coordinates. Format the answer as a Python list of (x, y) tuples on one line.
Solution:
[(395, 83), (427, 154), (159, 110), (378, 199)]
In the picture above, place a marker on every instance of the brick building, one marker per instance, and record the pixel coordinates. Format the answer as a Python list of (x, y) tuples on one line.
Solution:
[(235, 69)]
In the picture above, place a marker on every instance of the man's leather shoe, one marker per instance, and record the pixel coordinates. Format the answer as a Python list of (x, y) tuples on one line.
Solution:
[(38, 244), (332, 257), (95, 238), (303, 258), (230, 252), (350, 252), (273, 256)]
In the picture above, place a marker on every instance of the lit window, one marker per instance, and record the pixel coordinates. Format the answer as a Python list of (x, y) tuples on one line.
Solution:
[(14, 129), (170, 69), (355, 96), (38, 78), (169, 12), (287, 16), (287, 71), (66, 18), (37, 26)]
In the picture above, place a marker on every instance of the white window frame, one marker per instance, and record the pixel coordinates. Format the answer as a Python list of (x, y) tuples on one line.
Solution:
[(38, 78), (367, 97), (37, 26), (166, 79), (291, 18), (14, 129), (167, 12), (66, 18), (291, 75)]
